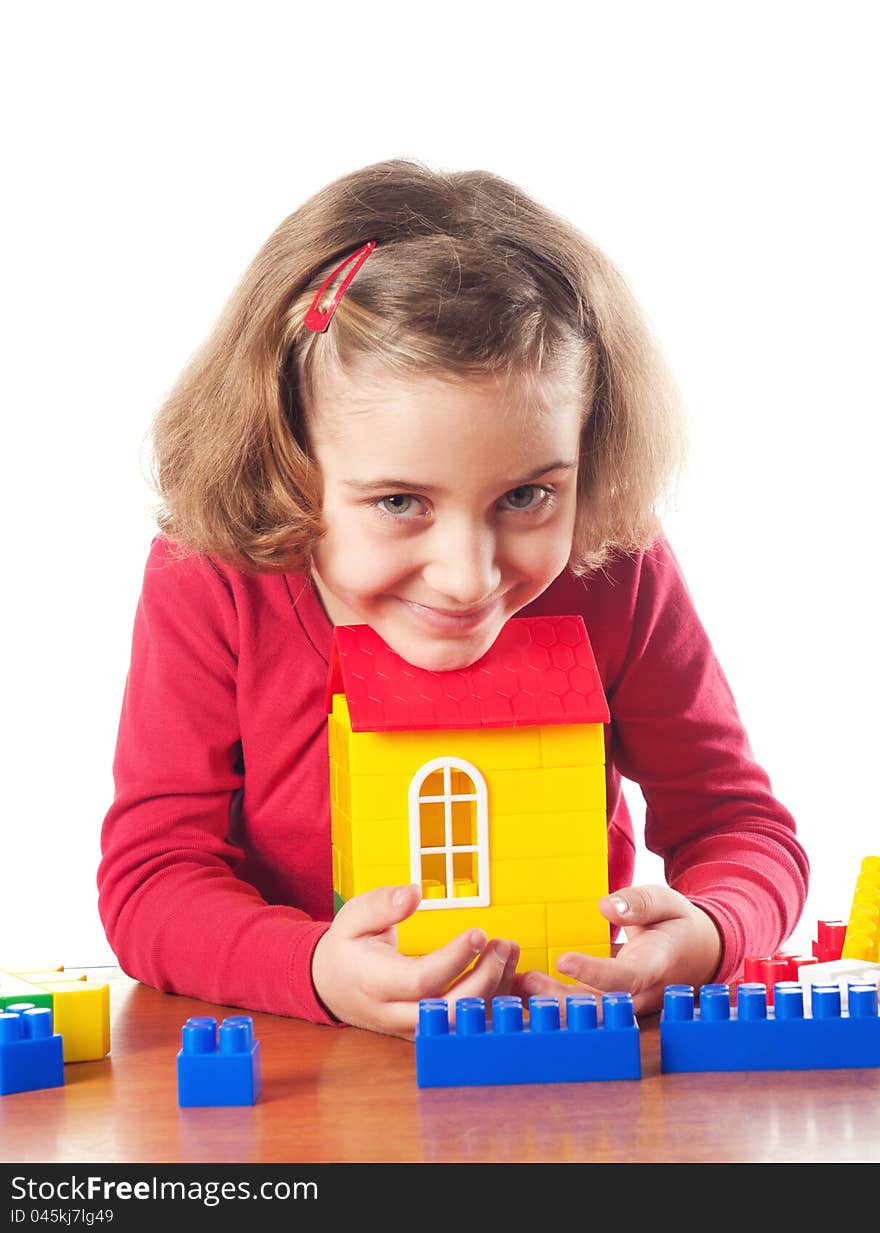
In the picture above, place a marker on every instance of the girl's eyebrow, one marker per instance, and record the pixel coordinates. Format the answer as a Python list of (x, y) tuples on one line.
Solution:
[(391, 484)]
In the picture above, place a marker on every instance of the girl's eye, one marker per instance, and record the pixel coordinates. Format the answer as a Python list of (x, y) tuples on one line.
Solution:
[(526, 496), (400, 505)]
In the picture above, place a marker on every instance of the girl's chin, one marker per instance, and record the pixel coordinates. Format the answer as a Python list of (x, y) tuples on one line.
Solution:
[(437, 654)]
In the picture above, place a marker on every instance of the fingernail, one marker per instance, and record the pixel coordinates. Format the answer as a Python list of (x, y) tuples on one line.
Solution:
[(565, 966), (476, 939), (621, 906), (399, 898), (531, 983), (502, 951)]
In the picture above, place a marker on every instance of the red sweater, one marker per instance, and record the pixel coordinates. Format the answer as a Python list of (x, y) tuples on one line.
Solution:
[(215, 880)]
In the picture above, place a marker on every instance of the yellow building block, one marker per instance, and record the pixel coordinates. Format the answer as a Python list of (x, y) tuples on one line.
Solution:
[(379, 796), (555, 788), (525, 748), (861, 943), (426, 930), (518, 836), (342, 875), (561, 789), (369, 798), (340, 823), (14, 989), (337, 782), (576, 925), (862, 940), (356, 880), (533, 960), (372, 840), (80, 1012), (550, 880), (336, 740), (602, 950), (339, 732), (572, 745), (378, 753)]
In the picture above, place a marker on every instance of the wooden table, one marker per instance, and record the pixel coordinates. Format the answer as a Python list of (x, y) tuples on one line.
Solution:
[(345, 1095)]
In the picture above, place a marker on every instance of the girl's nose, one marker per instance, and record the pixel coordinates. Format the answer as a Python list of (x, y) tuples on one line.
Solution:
[(462, 567)]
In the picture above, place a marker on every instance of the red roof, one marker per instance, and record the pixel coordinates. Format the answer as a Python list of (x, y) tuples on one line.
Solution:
[(540, 670)]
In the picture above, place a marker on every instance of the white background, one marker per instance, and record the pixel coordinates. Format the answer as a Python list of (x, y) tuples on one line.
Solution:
[(724, 155)]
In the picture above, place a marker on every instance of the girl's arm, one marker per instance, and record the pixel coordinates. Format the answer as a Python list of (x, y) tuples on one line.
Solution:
[(727, 843), (175, 913), (736, 873)]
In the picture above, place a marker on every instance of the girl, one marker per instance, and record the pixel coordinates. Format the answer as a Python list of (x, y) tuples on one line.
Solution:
[(430, 405)]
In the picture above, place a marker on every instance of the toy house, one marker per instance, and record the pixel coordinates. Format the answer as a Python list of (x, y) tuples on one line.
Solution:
[(485, 785)]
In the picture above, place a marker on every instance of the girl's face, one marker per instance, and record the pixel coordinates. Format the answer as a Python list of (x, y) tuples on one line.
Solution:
[(448, 505)]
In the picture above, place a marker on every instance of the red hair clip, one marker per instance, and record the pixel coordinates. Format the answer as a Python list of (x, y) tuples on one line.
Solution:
[(318, 320)]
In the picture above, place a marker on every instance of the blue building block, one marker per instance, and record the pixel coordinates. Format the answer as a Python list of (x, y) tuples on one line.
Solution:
[(752, 1036), (31, 1056), (218, 1068), (474, 1054)]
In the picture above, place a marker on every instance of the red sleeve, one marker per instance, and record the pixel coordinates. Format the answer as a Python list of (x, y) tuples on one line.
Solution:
[(727, 843), (175, 913)]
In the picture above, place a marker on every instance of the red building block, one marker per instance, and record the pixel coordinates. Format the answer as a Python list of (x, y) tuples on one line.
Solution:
[(770, 969), (828, 945)]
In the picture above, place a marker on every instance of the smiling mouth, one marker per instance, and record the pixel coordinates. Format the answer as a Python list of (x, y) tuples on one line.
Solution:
[(451, 618)]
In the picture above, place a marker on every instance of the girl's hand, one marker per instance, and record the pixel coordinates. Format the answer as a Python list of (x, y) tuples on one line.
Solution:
[(669, 941), (363, 980)]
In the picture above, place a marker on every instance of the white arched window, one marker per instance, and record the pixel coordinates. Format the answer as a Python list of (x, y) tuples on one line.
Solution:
[(449, 834)]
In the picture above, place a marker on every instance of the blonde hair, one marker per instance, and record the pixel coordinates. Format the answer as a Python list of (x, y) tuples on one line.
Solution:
[(471, 276)]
